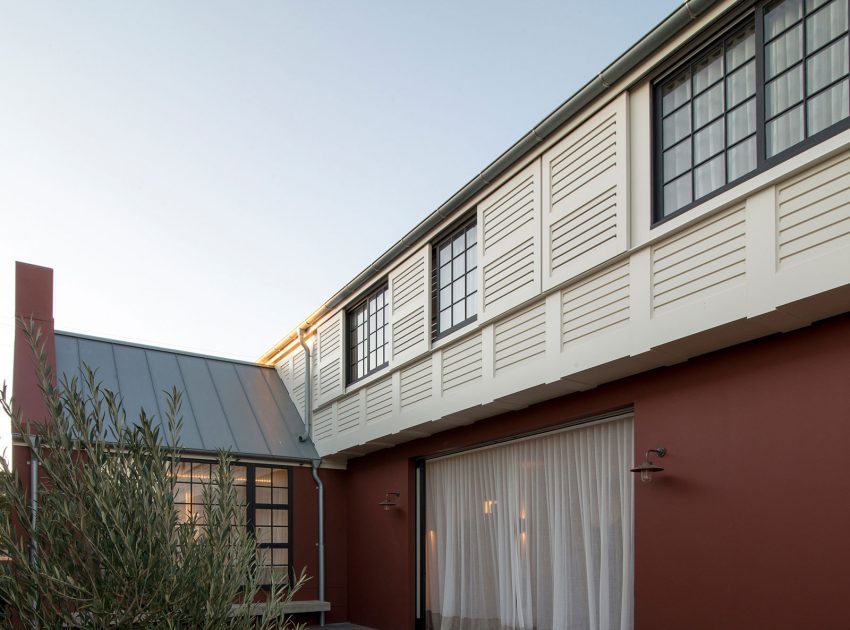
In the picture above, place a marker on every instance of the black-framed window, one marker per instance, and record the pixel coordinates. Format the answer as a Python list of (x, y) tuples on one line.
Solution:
[(768, 88), (367, 335), (265, 491), (455, 288)]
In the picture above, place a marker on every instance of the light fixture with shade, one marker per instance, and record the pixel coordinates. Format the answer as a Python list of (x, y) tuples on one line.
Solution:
[(648, 466), (388, 503)]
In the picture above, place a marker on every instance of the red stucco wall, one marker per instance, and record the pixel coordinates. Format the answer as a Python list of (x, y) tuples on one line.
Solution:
[(749, 527)]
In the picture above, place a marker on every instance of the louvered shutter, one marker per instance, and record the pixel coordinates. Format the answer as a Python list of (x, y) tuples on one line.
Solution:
[(509, 243), (330, 359), (585, 196), (409, 307)]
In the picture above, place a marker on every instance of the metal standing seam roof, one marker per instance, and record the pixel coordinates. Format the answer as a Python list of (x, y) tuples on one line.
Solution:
[(227, 404)]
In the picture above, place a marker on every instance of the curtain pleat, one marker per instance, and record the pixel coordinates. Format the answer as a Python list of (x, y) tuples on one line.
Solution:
[(533, 535)]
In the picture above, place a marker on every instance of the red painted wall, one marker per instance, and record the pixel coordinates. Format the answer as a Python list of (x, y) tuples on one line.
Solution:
[(748, 527), (305, 517)]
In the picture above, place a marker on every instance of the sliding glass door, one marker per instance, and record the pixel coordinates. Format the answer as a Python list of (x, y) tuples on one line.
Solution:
[(534, 534)]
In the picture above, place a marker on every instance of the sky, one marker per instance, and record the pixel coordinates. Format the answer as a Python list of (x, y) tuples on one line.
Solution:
[(202, 175)]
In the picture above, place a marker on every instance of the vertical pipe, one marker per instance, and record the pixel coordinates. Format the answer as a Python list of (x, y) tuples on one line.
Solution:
[(33, 497), (308, 392), (321, 544)]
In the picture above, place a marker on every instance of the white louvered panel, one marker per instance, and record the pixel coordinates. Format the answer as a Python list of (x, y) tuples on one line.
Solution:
[(284, 370), (329, 337), (298, 397), (348, 413), (408, 331), (379, 400), (323, 423), (329, 359), (599, 303), (409, 307), (462, 363), (814, 211), (520, 337), (507, 276), (416, 383), (701, 261), (509, 245), (585, 213)]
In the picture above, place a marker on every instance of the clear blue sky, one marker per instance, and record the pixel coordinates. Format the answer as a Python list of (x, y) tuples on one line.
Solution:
[(202, 175)]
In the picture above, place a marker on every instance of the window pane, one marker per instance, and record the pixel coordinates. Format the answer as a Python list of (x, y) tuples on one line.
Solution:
[(470, 305), (677, 160), (182, 492), (445, 275), (471, 283), (784, 131), (263, 495), (459, 289), (471, 258), (781, 16), (741, 84), (471, 235), (263, 518), (741, 159), (445, 253), (783, 52), (826, 66), (710, 176), (446, 295), (458, 267), (263, 476), (675, 93), (263, 534), (280, 535), (281, 517), (826, 25), (677, 194), (280, 557), (783, 92), (708, 106), (741, 122), (458, 312), (446, 319), (279, 496), (828, 107), (458, 245), (708, 70), (740, 48), (709, 141), (676, 126)]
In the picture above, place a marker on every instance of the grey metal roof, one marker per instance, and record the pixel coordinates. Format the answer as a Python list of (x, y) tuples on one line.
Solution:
[(243, 407)]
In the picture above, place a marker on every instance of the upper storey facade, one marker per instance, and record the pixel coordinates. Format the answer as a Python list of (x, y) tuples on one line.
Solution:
[(695, 195)]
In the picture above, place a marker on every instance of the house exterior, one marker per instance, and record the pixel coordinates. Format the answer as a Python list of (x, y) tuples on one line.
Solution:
[(662, 264)]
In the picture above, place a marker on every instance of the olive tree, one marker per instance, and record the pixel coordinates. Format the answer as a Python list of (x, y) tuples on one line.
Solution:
[(107, 549)]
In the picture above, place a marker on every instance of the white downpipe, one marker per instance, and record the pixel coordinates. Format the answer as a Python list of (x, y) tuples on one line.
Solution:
[(321, 544), (308, 391)]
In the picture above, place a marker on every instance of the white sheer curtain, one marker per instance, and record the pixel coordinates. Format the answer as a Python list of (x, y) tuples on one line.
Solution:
[(535, 534)]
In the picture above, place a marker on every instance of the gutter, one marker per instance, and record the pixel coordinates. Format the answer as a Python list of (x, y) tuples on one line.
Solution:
[(619, 68)]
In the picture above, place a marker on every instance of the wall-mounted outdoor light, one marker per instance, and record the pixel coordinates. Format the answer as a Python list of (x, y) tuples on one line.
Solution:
[(648, 466), (388, 503)]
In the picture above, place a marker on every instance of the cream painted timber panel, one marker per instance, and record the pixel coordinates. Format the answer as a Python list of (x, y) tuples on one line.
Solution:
[(409, 312), (520, 337), (379, 400), (416, 385), (814, 211), (462, 363), (703, 260), (585, 200), (599, 303), (323, 423), (509, 243), (329, 361), (349, 413)]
